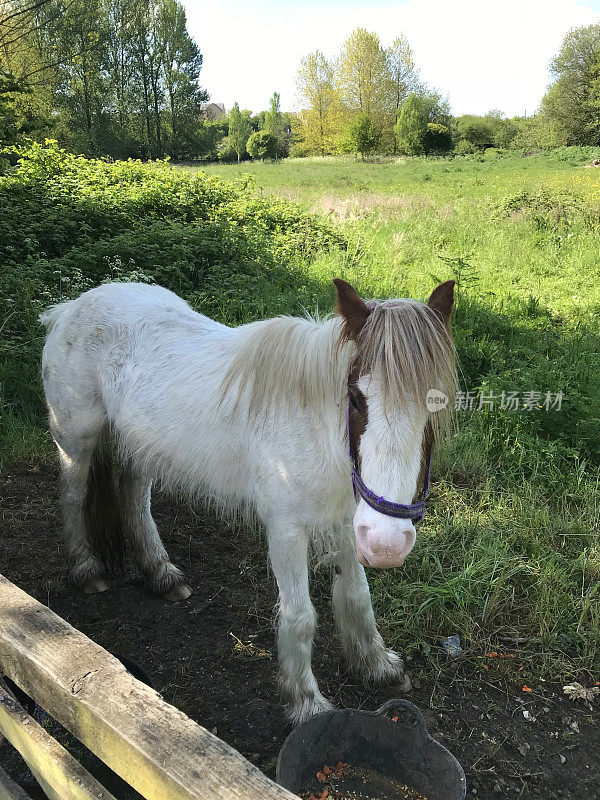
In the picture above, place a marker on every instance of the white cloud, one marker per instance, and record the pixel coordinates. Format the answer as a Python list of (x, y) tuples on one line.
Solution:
[(481, 54)]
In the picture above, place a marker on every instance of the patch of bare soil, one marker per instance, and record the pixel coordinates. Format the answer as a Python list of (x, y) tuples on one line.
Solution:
[(213, 656)]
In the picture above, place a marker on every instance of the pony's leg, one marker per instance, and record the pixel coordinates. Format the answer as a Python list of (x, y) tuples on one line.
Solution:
[(288, 551), (161, 576), (363, 645), (75, 449)]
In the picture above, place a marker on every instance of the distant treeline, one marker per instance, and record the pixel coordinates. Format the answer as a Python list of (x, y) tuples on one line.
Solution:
[(121, 78), (369, 98)]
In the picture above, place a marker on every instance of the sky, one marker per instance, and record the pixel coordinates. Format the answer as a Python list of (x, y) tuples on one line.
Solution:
[(480, 54)]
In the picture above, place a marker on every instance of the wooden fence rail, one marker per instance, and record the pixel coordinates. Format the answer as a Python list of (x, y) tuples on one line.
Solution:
[(153, 746), (9, 789)]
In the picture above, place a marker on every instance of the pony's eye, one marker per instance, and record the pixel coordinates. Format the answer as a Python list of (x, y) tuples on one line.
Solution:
[(353, 402)]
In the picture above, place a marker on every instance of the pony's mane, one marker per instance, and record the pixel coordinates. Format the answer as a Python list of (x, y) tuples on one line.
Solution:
[(289, 361), (404, 345)]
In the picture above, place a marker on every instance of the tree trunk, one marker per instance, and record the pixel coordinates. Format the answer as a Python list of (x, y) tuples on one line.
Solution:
[(147, 108), (172, 107), (157, 122)]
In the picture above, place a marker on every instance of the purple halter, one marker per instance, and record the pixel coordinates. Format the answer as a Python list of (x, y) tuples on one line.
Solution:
[(414, 512)]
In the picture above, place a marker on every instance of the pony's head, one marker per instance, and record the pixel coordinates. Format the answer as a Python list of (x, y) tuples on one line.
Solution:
[(404, 349)]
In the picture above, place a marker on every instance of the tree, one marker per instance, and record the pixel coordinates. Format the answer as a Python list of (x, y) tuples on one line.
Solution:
[(402, 76), (402, 71), (362, 136), (22, 111), (262, 144), (411, 128), (119, 59), (76, 35), (240, 130), (376, 80), (320, 117), (276, 124), (182, 61), (503, 130), (436, 107), (572, 103), (363, 78)]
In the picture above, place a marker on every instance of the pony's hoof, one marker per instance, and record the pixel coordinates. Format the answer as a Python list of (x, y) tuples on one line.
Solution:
[(179, 592), (403, 684), (306, 707), (95, 585), (387, 670)]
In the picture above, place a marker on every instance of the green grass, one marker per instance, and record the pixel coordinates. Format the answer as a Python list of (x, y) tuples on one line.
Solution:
[(509, 550)]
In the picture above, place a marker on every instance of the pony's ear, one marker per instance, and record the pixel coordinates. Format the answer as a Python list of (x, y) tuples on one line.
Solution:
[(442, 300), (350, 306)]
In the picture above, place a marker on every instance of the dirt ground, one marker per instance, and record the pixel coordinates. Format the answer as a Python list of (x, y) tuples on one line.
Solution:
[(213, 656)]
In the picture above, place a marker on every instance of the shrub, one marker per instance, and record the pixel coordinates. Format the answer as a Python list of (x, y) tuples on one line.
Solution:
[(362, 136), (543, 204), (262, 145), (478, 131), (438, 138), (464, 148)]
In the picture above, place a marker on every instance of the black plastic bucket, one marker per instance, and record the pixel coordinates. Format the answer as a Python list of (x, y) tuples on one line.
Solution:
[(390, 752)]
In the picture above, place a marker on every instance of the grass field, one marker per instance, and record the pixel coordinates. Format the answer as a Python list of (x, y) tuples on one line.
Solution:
[(509, 552)]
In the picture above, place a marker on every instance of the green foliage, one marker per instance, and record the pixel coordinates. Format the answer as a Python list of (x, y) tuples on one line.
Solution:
[(477, 131), (437, 139), (278, 124), (316, 126), (117, 77), (262, 145), (572, 104), (411, 127), (503, 130), (239, 130), (362, 75), (362, 136), (464, 148), (22, 112)]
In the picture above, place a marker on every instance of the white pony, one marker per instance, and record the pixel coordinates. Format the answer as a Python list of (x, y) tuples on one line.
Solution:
[(140, 388)]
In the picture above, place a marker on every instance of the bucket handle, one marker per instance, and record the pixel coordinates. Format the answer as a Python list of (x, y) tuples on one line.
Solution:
[(390, 705)]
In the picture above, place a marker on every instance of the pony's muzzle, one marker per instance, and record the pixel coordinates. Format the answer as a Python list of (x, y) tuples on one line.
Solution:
[(386, 545)]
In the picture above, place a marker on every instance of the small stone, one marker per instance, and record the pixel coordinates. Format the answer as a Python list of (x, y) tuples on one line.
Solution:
[(563, 760)]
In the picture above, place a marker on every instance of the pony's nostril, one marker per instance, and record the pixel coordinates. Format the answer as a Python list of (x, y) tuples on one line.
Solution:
[(362, 533)]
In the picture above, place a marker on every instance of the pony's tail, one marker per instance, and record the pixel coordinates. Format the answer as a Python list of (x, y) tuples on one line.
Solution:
[(103, 515), (50, 316)]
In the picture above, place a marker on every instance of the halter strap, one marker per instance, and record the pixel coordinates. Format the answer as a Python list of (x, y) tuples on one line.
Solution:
[(414, 511)]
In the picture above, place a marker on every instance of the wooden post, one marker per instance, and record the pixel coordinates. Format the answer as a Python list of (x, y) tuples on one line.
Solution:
[(153, 746)]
